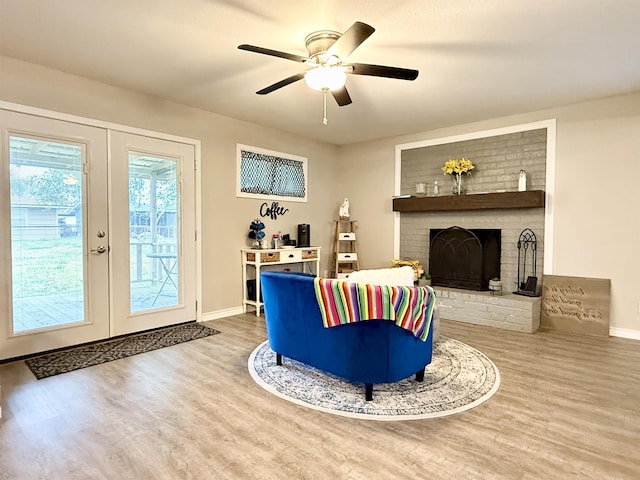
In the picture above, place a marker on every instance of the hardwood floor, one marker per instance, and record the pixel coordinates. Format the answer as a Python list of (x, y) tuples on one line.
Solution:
[(568, 407)]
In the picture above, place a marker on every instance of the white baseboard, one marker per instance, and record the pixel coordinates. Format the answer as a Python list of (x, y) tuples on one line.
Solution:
[(227, 312), (625, 333)]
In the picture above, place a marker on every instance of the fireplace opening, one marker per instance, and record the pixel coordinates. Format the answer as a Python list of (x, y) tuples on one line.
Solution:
[(461, 258)]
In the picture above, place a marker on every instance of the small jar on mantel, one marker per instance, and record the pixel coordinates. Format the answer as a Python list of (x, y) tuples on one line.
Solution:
[(522, 181)]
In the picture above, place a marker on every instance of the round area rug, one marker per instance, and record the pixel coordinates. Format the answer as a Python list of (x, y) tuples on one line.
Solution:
[(458, 378)]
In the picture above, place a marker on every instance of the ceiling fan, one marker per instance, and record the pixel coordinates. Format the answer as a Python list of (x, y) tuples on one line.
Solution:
[(328, 52)]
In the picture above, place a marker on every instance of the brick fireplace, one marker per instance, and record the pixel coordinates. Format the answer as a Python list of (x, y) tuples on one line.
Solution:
[(498, 160)]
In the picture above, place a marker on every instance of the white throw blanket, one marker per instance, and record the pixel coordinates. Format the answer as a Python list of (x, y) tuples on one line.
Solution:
[(401, 276)]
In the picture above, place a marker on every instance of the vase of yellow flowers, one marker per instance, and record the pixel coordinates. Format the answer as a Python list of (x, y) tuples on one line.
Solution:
[(456, 167)]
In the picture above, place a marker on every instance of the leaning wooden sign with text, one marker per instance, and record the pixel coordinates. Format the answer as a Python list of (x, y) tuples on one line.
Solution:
[(576, 304)]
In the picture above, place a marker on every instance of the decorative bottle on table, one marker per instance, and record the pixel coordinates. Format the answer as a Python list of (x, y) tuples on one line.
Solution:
[(343, 212)]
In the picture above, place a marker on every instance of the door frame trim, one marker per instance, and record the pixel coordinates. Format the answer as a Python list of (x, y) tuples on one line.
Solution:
[(110, 126)]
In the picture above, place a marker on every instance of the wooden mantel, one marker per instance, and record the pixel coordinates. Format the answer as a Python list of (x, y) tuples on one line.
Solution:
[(478, 201)]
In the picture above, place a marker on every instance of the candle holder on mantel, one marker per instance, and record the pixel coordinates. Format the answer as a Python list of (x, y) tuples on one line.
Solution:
[(527, 259)]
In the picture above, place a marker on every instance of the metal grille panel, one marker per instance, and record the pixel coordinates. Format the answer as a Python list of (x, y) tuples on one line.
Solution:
[(262, 174)]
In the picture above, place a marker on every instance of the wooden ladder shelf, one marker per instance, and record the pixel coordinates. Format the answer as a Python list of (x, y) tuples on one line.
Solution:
[(345, 249)]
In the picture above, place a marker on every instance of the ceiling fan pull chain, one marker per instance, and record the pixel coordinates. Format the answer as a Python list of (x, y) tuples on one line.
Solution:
[(324, 107)]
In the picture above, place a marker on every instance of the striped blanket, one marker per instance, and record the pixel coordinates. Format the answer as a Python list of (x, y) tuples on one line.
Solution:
[(343, 302)]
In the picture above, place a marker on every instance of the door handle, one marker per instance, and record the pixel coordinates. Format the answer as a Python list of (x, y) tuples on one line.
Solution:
[(99, 249)]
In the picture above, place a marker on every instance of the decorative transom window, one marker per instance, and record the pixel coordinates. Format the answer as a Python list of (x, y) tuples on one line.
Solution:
[(272, 175)]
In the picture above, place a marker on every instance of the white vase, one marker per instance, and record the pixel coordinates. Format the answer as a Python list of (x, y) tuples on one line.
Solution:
[(495, 287)]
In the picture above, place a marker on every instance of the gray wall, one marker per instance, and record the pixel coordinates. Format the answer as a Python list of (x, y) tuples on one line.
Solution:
[(497, 160)]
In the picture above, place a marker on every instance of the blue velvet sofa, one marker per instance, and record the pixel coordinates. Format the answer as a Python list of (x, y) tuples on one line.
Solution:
[(372, 351)]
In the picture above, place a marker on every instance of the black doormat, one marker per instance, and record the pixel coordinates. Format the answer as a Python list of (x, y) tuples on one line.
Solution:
[(63, 361)]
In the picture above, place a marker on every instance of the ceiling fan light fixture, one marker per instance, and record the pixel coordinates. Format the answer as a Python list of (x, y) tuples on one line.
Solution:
[(326, 78)]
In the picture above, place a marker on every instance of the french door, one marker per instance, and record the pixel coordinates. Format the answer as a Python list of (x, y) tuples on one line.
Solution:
[(152, 233), (97, 233)]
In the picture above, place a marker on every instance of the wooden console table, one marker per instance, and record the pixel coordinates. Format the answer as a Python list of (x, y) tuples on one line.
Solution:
[(282, 256)]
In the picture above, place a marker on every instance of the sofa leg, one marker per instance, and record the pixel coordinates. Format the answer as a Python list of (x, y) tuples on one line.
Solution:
[(420, 375), (368, 391), (278, 359)]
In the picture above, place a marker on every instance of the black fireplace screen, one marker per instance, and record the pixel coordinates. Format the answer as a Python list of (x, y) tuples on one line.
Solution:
[(462, 258)]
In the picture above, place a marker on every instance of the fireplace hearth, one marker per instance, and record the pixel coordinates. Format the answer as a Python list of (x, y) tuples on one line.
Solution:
[(462, 258)]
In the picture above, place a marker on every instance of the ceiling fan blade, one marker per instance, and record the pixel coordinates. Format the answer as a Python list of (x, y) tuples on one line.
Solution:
[(342, 96), (273, 53), (383, 71), (350, 40), (281, 83)]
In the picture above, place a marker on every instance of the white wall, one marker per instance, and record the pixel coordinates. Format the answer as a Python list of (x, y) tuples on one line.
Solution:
[(597, 205), (225, 218)]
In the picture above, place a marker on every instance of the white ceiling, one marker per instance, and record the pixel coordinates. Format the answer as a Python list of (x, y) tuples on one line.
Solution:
[(477, 59)]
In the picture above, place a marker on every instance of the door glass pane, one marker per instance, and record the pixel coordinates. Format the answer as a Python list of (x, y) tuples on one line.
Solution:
[(46, 191), (153, 232)]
